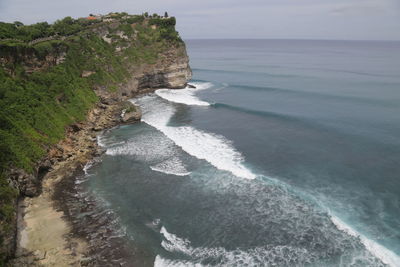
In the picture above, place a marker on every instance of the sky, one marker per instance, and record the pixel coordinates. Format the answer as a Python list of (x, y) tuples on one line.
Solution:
[(259, 19)]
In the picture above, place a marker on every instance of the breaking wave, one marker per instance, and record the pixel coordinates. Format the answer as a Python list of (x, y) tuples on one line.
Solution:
[(172, 166), (215, 149), (385, 255), (186, 95)]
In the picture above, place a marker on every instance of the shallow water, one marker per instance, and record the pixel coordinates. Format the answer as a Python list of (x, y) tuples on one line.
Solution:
[(286, 154)]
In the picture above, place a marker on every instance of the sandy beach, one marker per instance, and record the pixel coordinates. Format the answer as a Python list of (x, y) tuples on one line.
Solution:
[(44, 235)]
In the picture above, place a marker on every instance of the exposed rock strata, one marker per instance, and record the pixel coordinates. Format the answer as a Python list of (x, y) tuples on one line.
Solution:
[(71, 154), (31, 61), (130, 113), (41, 217), (171, 70)]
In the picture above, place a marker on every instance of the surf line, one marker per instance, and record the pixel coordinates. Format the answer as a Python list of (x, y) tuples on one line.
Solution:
[(213, 148)]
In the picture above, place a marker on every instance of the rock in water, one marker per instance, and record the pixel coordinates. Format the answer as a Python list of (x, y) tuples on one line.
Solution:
[(130, 113)]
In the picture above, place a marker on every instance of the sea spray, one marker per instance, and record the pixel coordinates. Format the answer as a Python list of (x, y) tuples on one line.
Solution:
[(386, 256), (215, 149), (185, 96), (172, 166)]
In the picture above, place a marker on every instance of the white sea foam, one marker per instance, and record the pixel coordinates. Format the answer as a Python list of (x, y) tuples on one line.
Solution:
[(152, 147), (185, 96), (87, 167), (251, 257), (174, 243), (100, 141), (386, 256), (162, 262), (171, 166), (215, 149)]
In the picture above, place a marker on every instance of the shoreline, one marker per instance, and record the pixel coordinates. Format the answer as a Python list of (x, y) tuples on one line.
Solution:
[(46, 234)]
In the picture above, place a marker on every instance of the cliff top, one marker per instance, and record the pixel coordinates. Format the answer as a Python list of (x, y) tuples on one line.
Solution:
[(18, 33), (52, 75)]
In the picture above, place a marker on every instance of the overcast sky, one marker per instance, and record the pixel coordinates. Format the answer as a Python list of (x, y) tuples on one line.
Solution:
[(293, 19)]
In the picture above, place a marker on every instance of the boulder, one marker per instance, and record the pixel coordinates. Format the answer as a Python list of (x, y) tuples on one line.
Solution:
[(130, 113)]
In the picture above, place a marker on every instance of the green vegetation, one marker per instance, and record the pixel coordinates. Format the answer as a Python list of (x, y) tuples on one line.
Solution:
[(26, 33), (166, 28), (67, 26), (130, 109), (35, 108)]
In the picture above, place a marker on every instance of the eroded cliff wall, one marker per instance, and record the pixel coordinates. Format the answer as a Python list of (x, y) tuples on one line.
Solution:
[(49, 87)]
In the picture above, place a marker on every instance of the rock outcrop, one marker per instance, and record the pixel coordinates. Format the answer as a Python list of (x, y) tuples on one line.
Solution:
[(170, 70), (30, 60), (130, 113)]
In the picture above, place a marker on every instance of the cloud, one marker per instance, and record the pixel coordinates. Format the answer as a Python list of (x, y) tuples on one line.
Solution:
[(316, 19), (364, 8)]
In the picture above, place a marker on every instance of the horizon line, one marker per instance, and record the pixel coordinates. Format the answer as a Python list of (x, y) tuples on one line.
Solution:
[(297, 39)]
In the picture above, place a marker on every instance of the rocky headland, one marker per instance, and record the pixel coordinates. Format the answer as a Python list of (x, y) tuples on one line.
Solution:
[(55, 225)]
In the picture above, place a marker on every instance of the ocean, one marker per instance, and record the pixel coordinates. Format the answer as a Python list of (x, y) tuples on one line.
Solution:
[(287, 153)]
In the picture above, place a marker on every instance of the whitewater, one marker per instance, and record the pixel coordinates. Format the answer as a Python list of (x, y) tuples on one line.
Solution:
[(189, 138), (283, 155), (213, 148)]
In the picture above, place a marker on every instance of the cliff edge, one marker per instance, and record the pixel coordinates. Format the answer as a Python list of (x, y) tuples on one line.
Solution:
[(55, 77)]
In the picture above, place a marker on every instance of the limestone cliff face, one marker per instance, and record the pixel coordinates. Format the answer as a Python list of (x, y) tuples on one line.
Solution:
[(30, 60), (171, 70)]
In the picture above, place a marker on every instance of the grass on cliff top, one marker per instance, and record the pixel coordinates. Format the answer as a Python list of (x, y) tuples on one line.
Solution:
[(36, 108)]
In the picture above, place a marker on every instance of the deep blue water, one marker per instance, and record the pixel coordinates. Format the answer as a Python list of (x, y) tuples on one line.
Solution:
[(286, 154)]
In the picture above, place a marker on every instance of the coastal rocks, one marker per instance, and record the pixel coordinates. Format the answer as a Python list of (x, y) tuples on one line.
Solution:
[(106, 243), (130, 113), (170, 70), (79, 140), (47, 240), (27, 184), (152, 80), (178, 75), (173, 78)]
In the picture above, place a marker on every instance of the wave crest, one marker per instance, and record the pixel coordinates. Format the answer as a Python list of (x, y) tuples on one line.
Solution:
[(185, 96), (172, 166), (215, 149)]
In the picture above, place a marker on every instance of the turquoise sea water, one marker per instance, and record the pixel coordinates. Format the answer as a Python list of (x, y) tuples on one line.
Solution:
[(286, 154)]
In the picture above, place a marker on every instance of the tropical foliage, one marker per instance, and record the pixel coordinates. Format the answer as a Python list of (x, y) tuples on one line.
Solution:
[(35, 108)]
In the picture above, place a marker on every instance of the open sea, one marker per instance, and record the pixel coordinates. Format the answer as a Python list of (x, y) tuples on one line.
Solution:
[(286, 154)]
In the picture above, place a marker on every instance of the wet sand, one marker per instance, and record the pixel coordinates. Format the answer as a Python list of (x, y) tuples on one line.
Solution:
[(45, 235)]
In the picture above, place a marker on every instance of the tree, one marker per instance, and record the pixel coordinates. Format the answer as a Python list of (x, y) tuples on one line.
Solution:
[(166, 14), (18, 23), (68, 20), (66, 26), (146, 14)]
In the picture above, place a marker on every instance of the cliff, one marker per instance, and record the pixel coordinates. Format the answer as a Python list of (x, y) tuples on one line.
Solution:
[(49, 86)]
